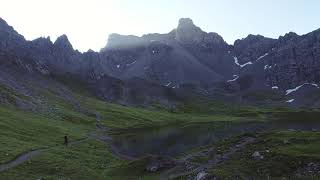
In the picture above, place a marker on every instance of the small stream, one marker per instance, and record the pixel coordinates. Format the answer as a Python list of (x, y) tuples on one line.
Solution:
[(178, 139)]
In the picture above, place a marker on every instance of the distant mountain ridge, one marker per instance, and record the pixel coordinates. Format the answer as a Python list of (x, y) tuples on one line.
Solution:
[(186, 55)]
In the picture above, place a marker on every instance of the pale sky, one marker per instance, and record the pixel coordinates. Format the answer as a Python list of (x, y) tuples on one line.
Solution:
[(88, 23)]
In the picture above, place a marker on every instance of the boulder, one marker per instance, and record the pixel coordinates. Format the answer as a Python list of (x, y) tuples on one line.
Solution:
[(201, 175), (257, 156)]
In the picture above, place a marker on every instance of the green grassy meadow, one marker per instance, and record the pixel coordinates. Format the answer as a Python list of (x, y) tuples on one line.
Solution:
[(25, 130)]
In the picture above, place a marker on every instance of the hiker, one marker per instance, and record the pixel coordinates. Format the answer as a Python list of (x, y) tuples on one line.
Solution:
[(66, 141)]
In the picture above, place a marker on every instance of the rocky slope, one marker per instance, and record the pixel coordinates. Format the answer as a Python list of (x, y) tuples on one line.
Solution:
[(288, 65), (157, 67)]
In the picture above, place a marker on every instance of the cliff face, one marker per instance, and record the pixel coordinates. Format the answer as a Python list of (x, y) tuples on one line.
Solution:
[(286, 62), (186, 55)]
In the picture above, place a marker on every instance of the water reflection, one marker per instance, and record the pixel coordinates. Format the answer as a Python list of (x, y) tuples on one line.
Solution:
[(178, 139)]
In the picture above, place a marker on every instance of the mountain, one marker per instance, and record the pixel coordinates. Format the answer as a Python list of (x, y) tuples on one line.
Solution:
[(288, 65), (185, 55), (48, 64), (160, 67)]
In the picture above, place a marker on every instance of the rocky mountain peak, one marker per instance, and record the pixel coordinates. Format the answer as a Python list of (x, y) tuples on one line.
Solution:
[(189, 33), (90, 51), (6, 29), (3, 23), (288, 37), (10, 39), (63, 42), (122, 41), (42, 41), (186, 23), (291, 35), (250, 39)]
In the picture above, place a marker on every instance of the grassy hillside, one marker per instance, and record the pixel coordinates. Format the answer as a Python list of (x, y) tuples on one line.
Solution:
[(21, 131), (88, 157)]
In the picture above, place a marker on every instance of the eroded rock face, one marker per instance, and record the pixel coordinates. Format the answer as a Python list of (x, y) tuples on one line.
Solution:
[(279, 65), (296, 60), (252, 47), (186, 55)]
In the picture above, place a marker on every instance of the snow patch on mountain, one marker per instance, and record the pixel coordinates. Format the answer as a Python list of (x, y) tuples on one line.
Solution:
[(236, 61), (289, 91), (236, 77), (263, 56), (176, 86), (267, 67), (290, 101)]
